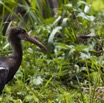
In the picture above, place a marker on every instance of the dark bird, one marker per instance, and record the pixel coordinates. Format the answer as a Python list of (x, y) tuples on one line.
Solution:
[(10, 64)]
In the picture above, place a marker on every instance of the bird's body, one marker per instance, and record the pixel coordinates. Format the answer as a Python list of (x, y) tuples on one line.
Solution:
[(9, 65)]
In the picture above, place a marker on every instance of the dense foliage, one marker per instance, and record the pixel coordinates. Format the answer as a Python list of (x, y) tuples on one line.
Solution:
[(72, 70)]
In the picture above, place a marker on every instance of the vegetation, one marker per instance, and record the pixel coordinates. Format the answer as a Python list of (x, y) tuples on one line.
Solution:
[(72, 70)]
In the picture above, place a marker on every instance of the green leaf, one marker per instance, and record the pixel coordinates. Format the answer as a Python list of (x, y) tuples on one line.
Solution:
[(81, 48), (62, 45), (37, 81), (84, 16), (68, 6), (56, 30)]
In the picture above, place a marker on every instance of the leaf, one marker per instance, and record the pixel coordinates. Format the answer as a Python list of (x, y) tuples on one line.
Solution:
[(56, 21), (84, 56), (81, 48), (38, 80), (49, 21), (84, 16), (86, 9), (68, 6), (57, 29), (64, 22), (6, 46), (62, 45)]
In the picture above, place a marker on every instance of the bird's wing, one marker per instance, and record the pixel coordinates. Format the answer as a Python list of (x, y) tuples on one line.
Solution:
[(3, 77)]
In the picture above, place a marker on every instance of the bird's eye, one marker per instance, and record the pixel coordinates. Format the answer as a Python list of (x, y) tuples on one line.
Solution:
[(23, 31)]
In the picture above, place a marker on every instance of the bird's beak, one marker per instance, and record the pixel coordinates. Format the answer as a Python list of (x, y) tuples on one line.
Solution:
[(26, 37)]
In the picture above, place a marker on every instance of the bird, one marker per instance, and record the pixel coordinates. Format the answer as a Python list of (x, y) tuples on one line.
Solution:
[(10, 64)]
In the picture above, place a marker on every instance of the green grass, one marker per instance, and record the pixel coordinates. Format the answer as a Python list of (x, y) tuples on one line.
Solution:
[(72, 69)]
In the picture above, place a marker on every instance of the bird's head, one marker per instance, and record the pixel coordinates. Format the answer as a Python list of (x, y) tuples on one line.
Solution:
[(17, 34)]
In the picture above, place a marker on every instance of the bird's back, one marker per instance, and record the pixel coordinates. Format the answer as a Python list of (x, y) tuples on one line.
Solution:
[(3, 73), (5, 66)]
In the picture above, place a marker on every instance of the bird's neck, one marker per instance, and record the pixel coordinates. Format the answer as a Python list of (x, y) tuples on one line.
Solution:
[(15, 59), (17, 51)]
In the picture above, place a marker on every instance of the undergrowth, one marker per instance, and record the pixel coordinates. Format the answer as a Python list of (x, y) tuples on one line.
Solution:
[(71, 71)]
